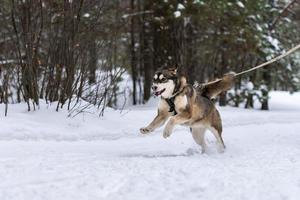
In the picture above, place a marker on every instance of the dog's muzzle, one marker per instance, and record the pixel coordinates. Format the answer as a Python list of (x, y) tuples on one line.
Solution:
[(157, 93)]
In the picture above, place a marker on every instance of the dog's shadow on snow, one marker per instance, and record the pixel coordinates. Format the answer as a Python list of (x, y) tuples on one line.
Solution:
[(189, 152)]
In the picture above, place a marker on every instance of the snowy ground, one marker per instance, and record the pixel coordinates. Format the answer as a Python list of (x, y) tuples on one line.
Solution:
[(44, 155)]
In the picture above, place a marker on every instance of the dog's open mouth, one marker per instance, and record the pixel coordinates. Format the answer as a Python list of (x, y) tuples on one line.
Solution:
[(157, 93)]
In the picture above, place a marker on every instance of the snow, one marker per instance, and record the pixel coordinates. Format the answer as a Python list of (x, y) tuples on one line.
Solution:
[(249, 85), (177, 13), (87, 15), (3, 62), (240, 4), (180, 6), (259, 28), (252, 17), (44, 155), (275, 42), (201, 2)]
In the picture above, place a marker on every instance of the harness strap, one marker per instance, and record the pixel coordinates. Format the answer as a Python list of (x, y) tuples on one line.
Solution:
[(171, 104), (171, 100)]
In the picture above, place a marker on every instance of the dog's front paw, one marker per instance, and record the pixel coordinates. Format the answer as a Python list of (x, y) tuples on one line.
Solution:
[(145, 130), (167, 133)]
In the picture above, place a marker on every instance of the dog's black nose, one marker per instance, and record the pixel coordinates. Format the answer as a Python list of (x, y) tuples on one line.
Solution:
[(154, 88)]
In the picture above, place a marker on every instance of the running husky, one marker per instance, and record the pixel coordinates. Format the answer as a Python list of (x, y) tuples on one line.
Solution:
[(188, 105)]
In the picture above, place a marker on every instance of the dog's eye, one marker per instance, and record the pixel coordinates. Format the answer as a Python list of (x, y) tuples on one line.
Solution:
[(163, 80)]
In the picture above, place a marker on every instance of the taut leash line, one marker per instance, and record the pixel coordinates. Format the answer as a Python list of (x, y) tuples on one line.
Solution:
[(270, 61), (292, 50)]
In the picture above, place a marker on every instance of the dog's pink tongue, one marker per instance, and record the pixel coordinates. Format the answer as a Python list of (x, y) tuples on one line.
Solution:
[(157, 93)]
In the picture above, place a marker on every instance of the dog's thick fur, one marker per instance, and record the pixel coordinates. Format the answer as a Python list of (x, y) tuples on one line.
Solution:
[(193, 106)]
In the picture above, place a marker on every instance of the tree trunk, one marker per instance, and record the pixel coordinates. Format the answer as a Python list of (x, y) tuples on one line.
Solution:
[(92, 66), (133, 55), (265, 91)]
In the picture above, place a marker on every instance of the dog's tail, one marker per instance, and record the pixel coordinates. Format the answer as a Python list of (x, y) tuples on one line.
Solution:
[(212, 90)]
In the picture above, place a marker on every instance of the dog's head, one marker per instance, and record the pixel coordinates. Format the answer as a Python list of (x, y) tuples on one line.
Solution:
[(164, 82)]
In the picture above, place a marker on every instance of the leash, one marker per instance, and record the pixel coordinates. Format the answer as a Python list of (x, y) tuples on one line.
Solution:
[(171, 100), (292, 50)]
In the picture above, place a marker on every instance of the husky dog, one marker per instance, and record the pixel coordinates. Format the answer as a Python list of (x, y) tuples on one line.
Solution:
[(187, 105)]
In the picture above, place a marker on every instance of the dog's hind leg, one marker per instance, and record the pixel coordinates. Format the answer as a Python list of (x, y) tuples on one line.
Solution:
[(216, 128), (199, 137), (217, 131)]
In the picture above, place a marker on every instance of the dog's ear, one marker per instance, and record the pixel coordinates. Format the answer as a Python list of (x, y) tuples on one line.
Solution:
[(173, 70)]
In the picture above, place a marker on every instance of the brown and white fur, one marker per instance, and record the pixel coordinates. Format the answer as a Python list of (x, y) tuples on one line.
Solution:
[(194, 106)]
